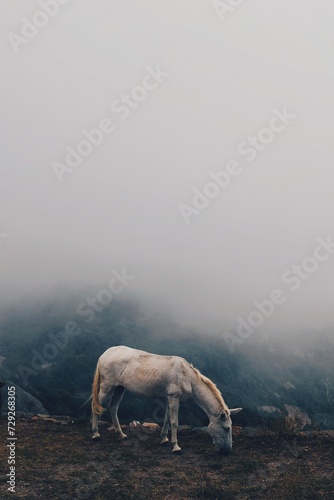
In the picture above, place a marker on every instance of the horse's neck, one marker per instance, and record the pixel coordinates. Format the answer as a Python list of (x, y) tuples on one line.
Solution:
[(204, 397)]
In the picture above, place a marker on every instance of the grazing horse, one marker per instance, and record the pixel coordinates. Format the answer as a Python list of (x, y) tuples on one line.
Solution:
[(148, 375)]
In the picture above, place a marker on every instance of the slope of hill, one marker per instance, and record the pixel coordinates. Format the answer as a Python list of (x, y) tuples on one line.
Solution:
[(57, 368)]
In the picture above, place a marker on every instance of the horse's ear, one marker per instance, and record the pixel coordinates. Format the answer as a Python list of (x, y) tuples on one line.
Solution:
[(233, 411)]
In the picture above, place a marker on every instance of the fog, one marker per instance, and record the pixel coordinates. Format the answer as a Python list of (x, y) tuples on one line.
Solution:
[(182, 91)]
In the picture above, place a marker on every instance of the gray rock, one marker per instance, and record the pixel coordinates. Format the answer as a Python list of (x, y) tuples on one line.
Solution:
[(25, 403), (266, 411), (299, 419)]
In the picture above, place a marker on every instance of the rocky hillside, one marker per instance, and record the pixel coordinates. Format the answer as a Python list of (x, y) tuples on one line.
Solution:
[(50, 351)]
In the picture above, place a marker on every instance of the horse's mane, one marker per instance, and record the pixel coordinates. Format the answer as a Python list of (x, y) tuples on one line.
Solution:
[(213, 388)]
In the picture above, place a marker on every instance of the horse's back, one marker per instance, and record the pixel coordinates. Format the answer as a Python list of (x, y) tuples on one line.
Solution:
[(144, 373), (122, 353)]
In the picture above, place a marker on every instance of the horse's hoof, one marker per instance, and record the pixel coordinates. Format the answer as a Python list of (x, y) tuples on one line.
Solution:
[(164, 443), (177, 452), (96, 438), (124, 436)]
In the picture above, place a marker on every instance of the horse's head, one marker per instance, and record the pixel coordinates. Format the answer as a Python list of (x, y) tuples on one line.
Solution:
[(220, 429)]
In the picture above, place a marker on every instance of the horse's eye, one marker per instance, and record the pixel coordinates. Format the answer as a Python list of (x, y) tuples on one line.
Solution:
[(223, 416)]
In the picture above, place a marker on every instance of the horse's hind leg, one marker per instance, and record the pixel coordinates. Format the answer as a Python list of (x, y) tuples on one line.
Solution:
[(95, 428), (113, 406), (96, 417)]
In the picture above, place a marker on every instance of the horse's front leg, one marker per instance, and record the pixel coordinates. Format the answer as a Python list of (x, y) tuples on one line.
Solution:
[(164, 432), (174, 403)]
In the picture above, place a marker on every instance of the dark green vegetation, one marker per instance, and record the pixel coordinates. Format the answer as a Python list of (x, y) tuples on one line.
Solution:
[(259, 372), (63, 463)]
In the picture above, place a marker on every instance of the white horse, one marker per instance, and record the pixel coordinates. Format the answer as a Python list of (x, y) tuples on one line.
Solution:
[(153, 376)]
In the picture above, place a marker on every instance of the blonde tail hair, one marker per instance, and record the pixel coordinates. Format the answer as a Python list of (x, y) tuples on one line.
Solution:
[(96, 407)]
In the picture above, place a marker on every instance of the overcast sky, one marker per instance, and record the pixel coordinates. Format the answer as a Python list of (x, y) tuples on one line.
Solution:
[(202, 84)]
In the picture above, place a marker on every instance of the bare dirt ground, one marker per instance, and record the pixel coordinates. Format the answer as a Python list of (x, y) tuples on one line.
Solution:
[(62, 462)]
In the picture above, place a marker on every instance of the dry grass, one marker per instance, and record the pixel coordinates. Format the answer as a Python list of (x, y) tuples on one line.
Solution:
[(62, 462)]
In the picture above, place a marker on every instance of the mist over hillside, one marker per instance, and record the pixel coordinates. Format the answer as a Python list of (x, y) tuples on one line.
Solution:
[(57, 367), (169, 165), (166, 184)]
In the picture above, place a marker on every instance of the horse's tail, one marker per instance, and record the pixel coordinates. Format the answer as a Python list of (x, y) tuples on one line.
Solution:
[(96, 407)]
